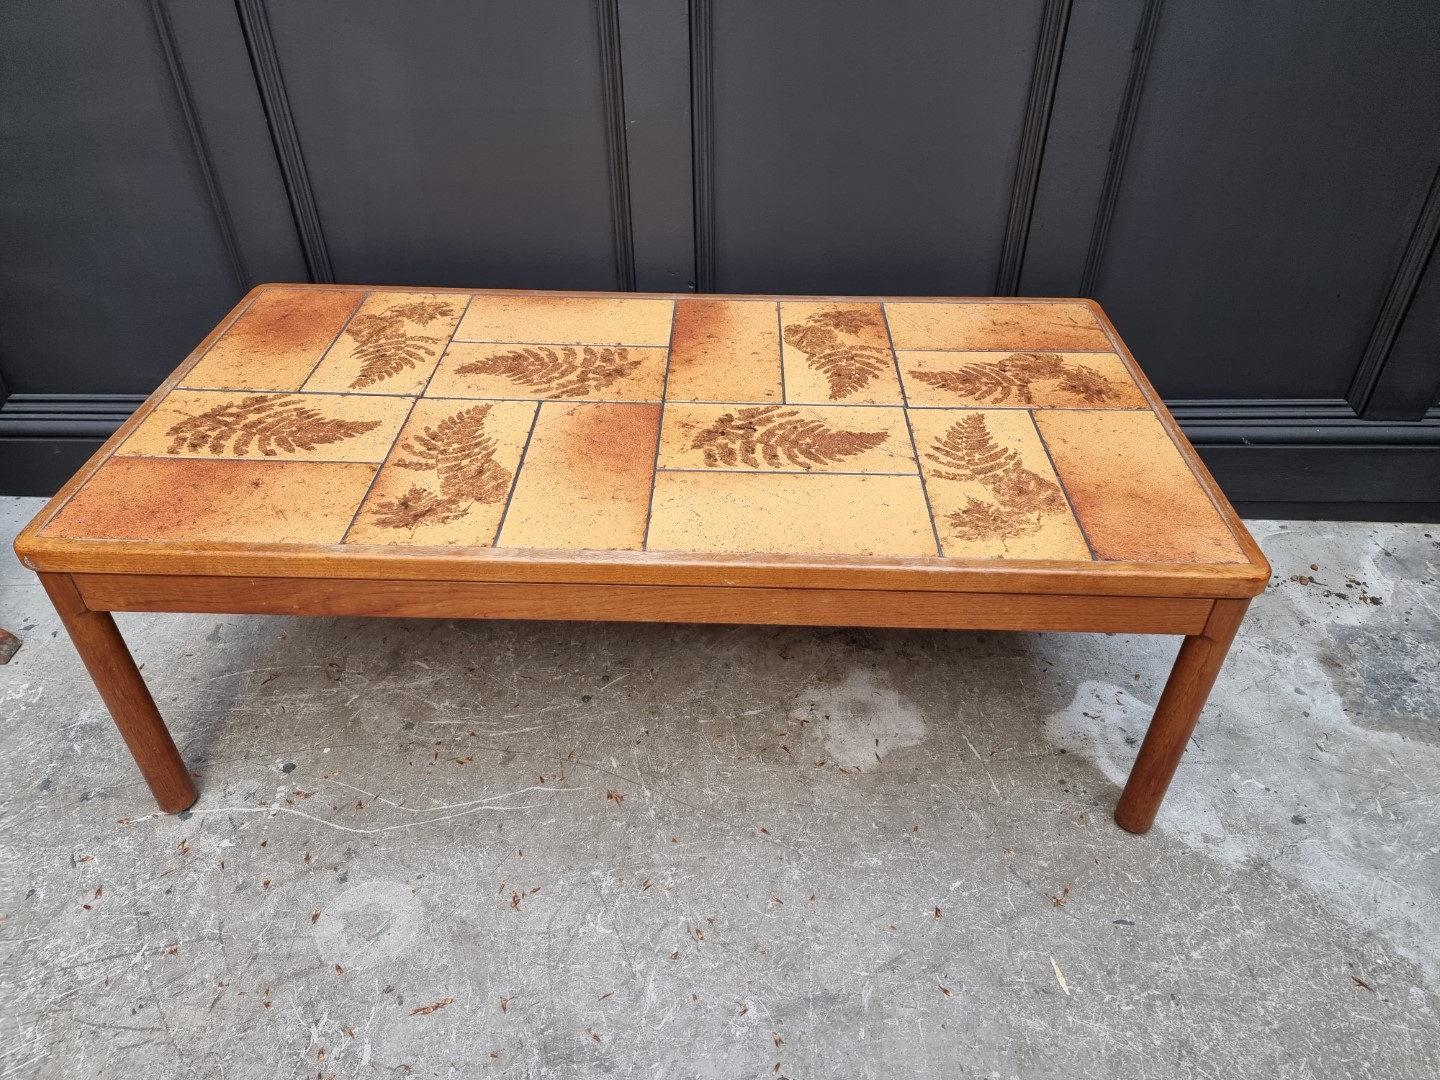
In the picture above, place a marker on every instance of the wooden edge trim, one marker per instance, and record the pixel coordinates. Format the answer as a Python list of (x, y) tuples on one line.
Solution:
[(647, 603), (366, 562)]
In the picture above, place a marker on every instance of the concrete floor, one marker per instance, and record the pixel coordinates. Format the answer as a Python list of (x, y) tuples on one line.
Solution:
[(440, 849)]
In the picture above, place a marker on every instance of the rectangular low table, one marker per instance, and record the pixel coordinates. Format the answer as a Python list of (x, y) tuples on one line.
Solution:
[(930, 463)]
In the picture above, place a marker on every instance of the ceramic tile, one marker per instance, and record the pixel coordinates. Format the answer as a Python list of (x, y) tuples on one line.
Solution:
[(391, 345), (725, 350), (291, 427), (1039, 380), (275, 502), (449, 476), (815, 514), (568, 320), (576, 372), (837, 354), (277, 341), (1134, 493), (805, 438), (585, 481), (978, 326), (991, 486)]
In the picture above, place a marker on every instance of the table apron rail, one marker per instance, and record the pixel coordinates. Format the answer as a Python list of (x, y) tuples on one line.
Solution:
[(642, 603)]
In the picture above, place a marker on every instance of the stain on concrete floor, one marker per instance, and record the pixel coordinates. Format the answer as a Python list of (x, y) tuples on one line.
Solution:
[(437, 849)]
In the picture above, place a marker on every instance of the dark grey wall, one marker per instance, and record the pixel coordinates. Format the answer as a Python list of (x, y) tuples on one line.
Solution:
[(111, 260), (865, 148), (452, 143), (1275, 171), (1250, 189)]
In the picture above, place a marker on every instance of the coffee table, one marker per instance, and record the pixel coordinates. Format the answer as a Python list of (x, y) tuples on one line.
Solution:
[(996, 464)]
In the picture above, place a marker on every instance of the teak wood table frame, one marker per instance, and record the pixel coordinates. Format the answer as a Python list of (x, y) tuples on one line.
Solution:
[(117, 539)]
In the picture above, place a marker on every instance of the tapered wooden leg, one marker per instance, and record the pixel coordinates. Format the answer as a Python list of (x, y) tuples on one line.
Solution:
[(1185, 692), (127, 697)]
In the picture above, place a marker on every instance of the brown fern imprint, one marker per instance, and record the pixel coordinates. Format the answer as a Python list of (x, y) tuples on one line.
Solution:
[(274, 423), (967, 451), (779, 435), (847, 366), (994, 384), (1087, 384), (461, 455), (982, 520), (383, 346), (846, 320), (564, 372), (417, 506)]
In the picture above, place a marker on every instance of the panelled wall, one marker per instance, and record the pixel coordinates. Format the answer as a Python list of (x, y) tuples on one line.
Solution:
[(1250, 189)]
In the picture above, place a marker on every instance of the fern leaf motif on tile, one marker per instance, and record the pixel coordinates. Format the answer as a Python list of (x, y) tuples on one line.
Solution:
[(1014, 376), (271, 423), (557, 373), (461, 456), (418, 506), (1022, 497), (1087, 383), (847, 366), (779, 436), (385, 347)]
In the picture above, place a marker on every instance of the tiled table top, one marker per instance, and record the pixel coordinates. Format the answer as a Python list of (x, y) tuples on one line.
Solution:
[(397, 419)]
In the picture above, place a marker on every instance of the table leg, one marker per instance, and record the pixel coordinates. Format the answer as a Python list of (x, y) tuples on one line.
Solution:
[(1175, 716), (112, 668)]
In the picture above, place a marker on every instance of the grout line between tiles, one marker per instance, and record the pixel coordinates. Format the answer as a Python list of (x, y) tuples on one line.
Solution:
[(957, 407), (914, 446), (1007, 352), (379, 467), (659, 429), (451, 341), (1063, 489), (515, 480), (780, 343), (326, 352), (247, 460), (786, 472), (571, 344)]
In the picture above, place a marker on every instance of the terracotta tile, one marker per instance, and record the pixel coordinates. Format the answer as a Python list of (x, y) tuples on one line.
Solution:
[(291, 427), (807, 515), (275, 502), (568, 320), (725, 350), (604, 372), (1041, 380), (391, 345), (806, 438), (277, 342), (1018, 326), (585, 481), (449, 476), (1135, 495), (837, 354), (991, 486)]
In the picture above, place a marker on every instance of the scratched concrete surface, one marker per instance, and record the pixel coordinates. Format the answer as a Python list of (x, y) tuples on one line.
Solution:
[(441, 849)]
